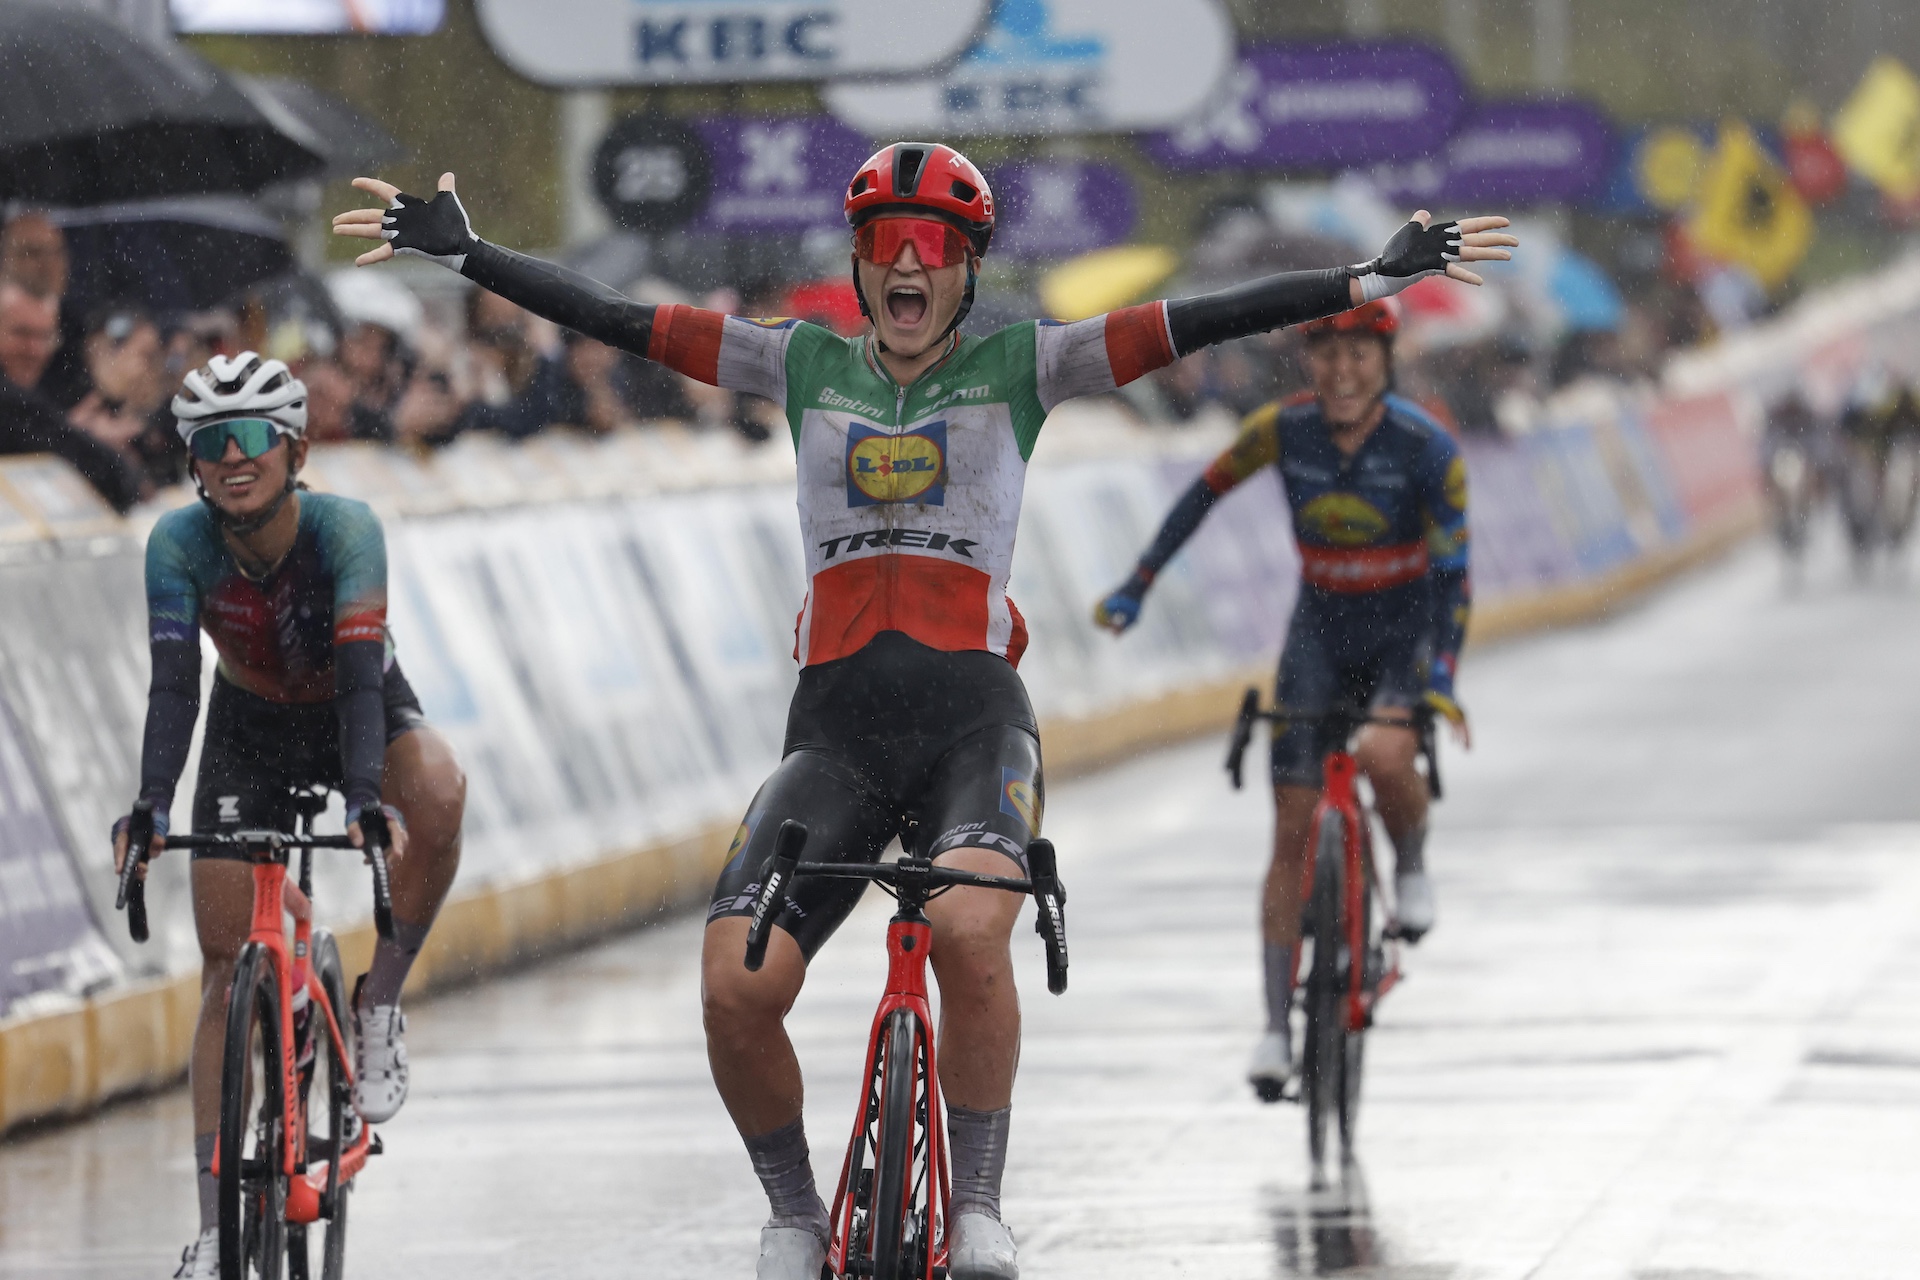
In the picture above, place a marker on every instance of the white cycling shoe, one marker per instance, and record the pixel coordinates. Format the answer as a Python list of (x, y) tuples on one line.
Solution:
[(1272, 1065), (981, 1249), (790, 1253), (201, 1259), (1413, 902), (379, 1062)]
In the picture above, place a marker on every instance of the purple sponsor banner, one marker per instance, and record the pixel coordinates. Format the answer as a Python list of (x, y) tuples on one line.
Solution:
[(1511, 153), (1056, 208), (780, 173), (43, 913), (1322, 106)]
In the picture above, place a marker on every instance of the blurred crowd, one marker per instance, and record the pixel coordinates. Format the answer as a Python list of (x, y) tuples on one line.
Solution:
[(418, 359)]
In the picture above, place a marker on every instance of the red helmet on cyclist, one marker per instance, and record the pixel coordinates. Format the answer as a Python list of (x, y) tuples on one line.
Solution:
[(927, 180), (1381, 318)]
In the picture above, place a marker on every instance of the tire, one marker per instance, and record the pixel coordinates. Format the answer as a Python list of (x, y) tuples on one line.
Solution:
[(891, 1215), (1324, 1060), (253, 1185), (1353, 1047), (327, 1104)]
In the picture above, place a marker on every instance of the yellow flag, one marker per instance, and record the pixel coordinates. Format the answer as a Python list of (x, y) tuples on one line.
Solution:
[(1878, 130), (1748, 213)]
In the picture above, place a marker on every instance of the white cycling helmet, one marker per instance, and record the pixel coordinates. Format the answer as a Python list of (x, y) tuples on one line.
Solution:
[(242, 386)]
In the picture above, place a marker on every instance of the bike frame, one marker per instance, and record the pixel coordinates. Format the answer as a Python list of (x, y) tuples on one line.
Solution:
[(909, 943), (293, 969), (1340, 794)]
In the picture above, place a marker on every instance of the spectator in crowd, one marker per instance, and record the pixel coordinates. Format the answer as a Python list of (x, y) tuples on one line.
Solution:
[(31, 423), (33, 254), (127, 408)]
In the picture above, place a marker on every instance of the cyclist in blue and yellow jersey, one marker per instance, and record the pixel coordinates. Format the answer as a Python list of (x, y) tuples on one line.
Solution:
[(1378, 493), (291, 587), (909, 719)]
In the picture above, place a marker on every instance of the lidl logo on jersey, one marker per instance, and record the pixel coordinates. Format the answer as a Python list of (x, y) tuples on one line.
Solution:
[(1344, 519), (909, 467)]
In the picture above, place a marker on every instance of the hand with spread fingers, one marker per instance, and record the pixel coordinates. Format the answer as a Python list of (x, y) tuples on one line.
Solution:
[(1421, 249), (437, 229)]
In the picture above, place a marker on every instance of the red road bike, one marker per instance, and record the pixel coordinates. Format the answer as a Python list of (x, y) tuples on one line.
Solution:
[(1355, 958), (290, 1144), (890, 1210)]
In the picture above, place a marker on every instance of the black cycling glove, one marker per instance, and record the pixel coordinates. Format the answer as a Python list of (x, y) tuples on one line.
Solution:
[(1414, 253), (436, 228)]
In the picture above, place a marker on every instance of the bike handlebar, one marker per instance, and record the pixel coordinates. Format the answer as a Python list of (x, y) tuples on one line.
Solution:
[(1250, 711), (921, 878), (132, 895)]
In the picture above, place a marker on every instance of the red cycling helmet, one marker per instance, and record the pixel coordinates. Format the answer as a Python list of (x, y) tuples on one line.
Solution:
[(925, 179), (1379, 317)]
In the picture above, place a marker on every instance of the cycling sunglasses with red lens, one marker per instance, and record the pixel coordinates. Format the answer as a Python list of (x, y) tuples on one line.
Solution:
[(935, 243), (255, 436)]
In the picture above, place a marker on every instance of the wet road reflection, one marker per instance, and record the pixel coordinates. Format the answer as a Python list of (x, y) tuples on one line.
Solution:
[(1668, 1027)]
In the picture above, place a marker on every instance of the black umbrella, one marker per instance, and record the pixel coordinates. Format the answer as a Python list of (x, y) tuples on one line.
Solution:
[(91, 113), (351, 143), (187, 253)]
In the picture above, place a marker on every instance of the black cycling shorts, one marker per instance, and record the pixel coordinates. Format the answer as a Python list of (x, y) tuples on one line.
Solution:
[(939, 749), (1371, 653), (256, 750)]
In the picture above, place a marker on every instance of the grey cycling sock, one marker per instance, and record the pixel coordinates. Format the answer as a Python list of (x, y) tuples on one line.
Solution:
[(391, 961), (780, 1160), (209, 1186), (1410, 851), (979, 1143), (1278, 964)]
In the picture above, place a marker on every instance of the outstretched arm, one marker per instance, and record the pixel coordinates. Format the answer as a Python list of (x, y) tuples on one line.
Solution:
[(1416, 251), (1257, 446), (685, 339), (1091, 357)]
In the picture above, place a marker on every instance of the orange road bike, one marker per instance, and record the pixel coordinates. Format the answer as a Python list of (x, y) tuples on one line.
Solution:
[(890, 1211), (290, 1144), (1355, 957)]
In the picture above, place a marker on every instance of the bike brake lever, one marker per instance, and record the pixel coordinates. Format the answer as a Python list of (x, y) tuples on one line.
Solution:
[(132, 894), (787, 846)]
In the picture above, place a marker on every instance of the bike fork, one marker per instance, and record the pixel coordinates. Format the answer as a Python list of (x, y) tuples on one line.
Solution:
[(909, 941)]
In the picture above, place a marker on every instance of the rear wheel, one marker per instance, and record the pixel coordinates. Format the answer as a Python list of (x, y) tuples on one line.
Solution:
[(1323, 1063), (898, 1213), (253, 1184), (320, 1249)]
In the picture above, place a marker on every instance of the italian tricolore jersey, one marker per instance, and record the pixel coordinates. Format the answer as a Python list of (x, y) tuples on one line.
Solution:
[(910, 496)]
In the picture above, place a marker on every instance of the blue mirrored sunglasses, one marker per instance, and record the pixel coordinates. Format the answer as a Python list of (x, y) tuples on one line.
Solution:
[(254, 436)]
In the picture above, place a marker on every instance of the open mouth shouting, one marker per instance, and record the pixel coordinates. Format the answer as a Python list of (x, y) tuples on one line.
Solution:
[(906, 305)]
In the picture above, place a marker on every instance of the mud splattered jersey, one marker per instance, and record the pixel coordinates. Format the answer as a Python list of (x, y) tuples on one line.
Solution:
[(276, 635)]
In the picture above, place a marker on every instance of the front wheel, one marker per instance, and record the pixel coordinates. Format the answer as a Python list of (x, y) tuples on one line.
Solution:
[(327, 1105), (901, 1189), (252, 1141), (1323, 1060)]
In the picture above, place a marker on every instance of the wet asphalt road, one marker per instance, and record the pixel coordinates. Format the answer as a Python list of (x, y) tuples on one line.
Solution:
[(1666, 1030)]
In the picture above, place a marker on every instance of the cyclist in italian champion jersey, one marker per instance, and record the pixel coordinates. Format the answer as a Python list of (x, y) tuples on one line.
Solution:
[(1378, 493), (909, 719), (291, 587)]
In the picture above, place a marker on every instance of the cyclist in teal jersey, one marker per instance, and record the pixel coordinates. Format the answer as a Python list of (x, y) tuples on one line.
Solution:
[(291, 587), (909, 719)]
